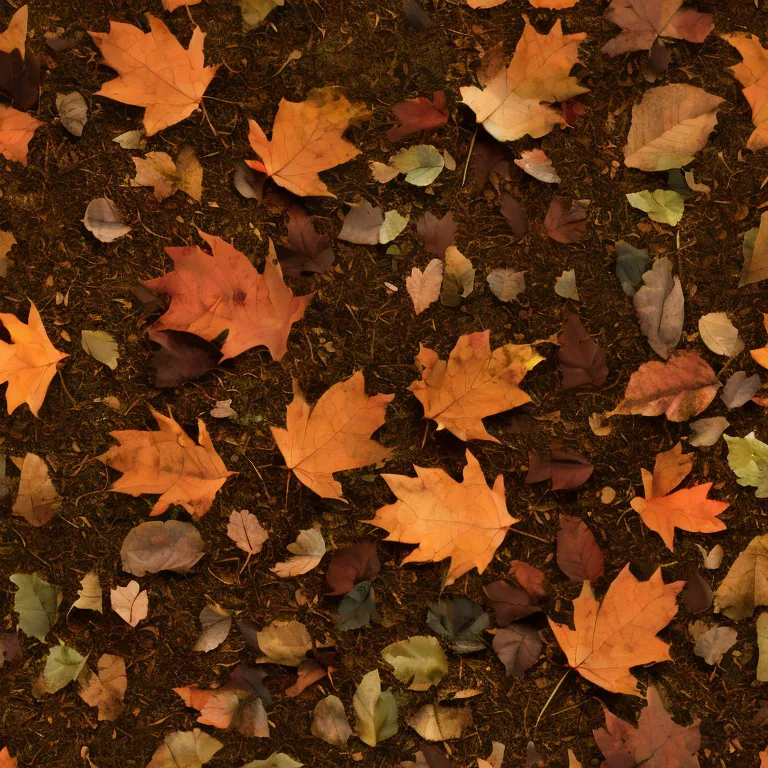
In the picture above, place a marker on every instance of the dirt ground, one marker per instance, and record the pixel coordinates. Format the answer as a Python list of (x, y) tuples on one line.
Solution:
[(353, 323)]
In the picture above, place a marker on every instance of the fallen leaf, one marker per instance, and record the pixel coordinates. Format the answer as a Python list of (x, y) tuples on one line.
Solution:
[(185, 749), (752, 73), (698, 595), (566, 223), (762, 661), (513, 212), (422, 164), (333, 436), (37, 603), (375, 710), (63, 665), (19, 68), (37, 500), (424, 287), (329, 722), (9, 650), (90, 596), (16, 131), (166, 177), (6, 761), (15, 35), (662, 205), (713, 558), (29, 363), (309, 672), (284, 642), (745, 586), (306, 139), (254, 12), (104, 221), (223, 410), (580, 360), (631, 263), (419, 660), (382, 172), (157, 546), (565, 285), (460, 621), (530, 578), (536, 163), (512, 101), (473, 383), (7, 241), (131, 139), (579, 556), (181, 357), (679, 389), (357, 608), (720, 335), (506, 284), (416, 16), (573, 761), (437, 234), (620, 633), (510, 603), (167, 462), (644, 21), (362, 224), (216, 623), (458, 278), (276, 759), (351, 565), (740, 389), (712, 643), (308, 551), (246, 531), (101, 346), (748, 458), (760, 356), (306, 251), (566, 469), (73, 112), (434, 722), (154, 71), (669, 126), (392, 226), (247, 182), (708, 431), (416, 115), (518, 647), (106, 688), (130, 603)]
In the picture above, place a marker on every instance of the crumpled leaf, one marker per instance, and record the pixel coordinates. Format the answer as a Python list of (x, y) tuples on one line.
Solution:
[(104, 221), (458, 278), (101, 346), (159, 171), (306, 251), (37, 501), (620, 633), (185, 749), (518, 647), (566, 469), (170, 463), (16, 131), (745, 586), (662, 205), (284, 642), (37, 603), (660, 308), (422, 164), (435, 722), (708, 431), (510, 603), (106, 688), (579, 555), (420, 114), (506, 284), (712, 643), (424, 287), (329, 722), (740, 389), (216, 623), (354, 564), (73, 111), (246, 531), (720, 335), (223, 291), (308, 551), (473, 383), (154, 71), (29, 362), (536, 163), (752, 73), (333, 436), (631, 263), (679, 389), (669, 126), (90, 596), (460, 621), (437, 234), (130, 602), (564, 222), (473, 517), (362, 224), (580, 360), (511, 101), (63, 665), (375, 710), (157, 546), (748, 458), (306, 139), (419, 660), (357, 608)]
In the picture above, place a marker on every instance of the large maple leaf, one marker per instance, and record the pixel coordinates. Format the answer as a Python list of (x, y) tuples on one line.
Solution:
[(688, 509), (513, 101), (306, 139), (168, 462), (223, 291), (29, 362), (464, 521), (333, 436), (644, 21), (155, 71), (620, 633), (752, 73), (472, 384)]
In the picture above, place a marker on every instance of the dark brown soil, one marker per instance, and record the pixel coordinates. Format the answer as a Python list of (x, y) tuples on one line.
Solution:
[(353, 323)]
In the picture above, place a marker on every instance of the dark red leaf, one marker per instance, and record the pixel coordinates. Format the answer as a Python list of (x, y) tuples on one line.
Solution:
[(433, 757), (351, 565), (565, 223), (580, 360), (530, 578), (9, 647), (510, 603), (532, 756), (20, 78), (578, 554), (437, 234), (697, 594), (488, 157), (566, 469), (573, 112), (306, 250), (513, 212), (181, 357), (517, 647), (419, 114), (310, 671)]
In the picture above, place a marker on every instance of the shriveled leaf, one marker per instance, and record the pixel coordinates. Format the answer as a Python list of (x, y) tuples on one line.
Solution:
[(510, 603), (662, 205), (375, 710), (579, 556), (564, 222), (37, 603), (421, 164), (566, 469), (130, 603), (745, 586), (330, 723), (104, 221), (424, 287), (284, 642), (362, 224), (246, 531), (308, 551), (161, 546), (420, 114), (518, 647), (458, 278), (73, 111), (216, 623), (720, 335), (748, 458), (106, 688), (419, 660), (660, 308), (506, 284), (37, 501), (435, 722), (101, 346), (185, 749), (712, 643)]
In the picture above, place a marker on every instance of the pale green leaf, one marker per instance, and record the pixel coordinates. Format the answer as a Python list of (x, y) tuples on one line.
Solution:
[(393, 225), (101, 346), (63, 664), (748, 458), (420, 659), (375, 710), (422, 164), (565, 285), (37, 604), (662, 205)]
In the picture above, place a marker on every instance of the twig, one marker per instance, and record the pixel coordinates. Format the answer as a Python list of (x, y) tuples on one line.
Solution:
[(551, 696), (469, 155), (64, 387), (529, 535)]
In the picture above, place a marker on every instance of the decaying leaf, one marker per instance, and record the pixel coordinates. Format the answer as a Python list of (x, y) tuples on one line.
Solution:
[(473, 383), (130, 602), (375, 710), (334, 436), (103, 220), (458, 278), (170, 463), (712, 643), (619, 633), (566, 222), (419, 660), (660, 306), (284, 642), (38, 500), (106, 688), (579, 555), (246, 531), (530, 578), (37, 603), (745, 586), (308, 551), (354, 564), (329, 722), (435, 722), (166, 177), (460, 621), (90, 596), (424, 287), (157, 546), (185, 749), (473, 518), (216, 623), (73, 111), (416, 115)]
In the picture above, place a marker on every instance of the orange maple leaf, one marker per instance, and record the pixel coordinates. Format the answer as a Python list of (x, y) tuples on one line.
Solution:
[(29, 362), (333, 436), (306, 139), (465, 521), (620, 633), (688, 509), (155, 71), (16, 131), (472, 384), (221, 292), (752, 73), (760, 356), (168, 462), (513, 101)]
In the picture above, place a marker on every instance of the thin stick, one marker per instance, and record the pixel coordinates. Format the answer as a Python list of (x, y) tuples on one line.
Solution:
[(551, 696), (205, 112), (64, 387), (529, 535), (469, 155), (287, 484)]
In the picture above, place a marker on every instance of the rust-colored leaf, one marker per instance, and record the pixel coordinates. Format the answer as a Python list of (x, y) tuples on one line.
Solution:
[(351, 565), (752, 73), (16, 131), (579, 555), (580, 360), (37, 501), (566, 469), (566, 222), (419, 114)]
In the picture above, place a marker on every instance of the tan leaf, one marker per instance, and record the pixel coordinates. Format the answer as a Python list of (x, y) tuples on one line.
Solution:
[(255, 11), (7, 241), (185, 749), (752, 73), (15, 35), (308, 551), (333, 436), (90, 596), (37, 501), (172, 5), (330, 723), (284, 642), (745, 586), (434, 722), (306, 139), (216, 622), (466, 521), (720, 335), (619, 633), (154, 71), (246, 531), (472, 384), (130, 603), (105, 689), (16, 131), (755, 251), (166, 177), (760, 356), (536, 163), (424, 287), (458, 277)]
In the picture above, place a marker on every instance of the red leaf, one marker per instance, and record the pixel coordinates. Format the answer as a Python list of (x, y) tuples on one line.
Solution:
[(437, 234), (351, 565), (565, 223), (578, 554), (306, 250), (530, 578), (510, 603), (580, 360), (419, 115), (566, 469)]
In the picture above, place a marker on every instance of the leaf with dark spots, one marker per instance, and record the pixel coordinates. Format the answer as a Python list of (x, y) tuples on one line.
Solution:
[(510, 603), (517, 647), (351, 565), (578, 555), (20, 78), (181, 357), (513, 212), (357, 608), (460, 621), (306, 250), (419, 114), (437, 234), (580, 360), (566, 469), (697, 595), (564, 222)]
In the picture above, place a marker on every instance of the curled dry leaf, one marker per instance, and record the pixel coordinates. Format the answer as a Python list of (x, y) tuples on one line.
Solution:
[(246, 531), (424, 287), (166, 177), (130, 603), (168, 462), (216, 623), (660, 305), (579, 555), (419, 114), (161, 546), (38, 500), (106, 688), (329, 722), (104, 221), (308, 551), (73, 111)]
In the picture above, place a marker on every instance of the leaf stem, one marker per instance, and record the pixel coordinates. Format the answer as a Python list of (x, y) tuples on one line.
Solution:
[(549, 700)]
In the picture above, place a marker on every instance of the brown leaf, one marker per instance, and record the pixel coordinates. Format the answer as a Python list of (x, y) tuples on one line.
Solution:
[(419, 114), (752, 73), (566, 469), (509, 603), (333, 436), (530, 578), (246, 531), (660, 306), (579, 556), (472, 384), (488, 161), (424, 287), (9, 647), (159, 171), (566, 223), (37, 501), (161, 546), (755, 252), (181, 357), (580, 360), (351, 565), (310, 671), (518, 647), (195, 748), (362, 224), (536, 163), (513, 212), (745, 586), (130, 603), (437, 234), (506, 284), (216, 623), (697, 595), (330, 723), (458, 278), (106, 688), (306, 251)]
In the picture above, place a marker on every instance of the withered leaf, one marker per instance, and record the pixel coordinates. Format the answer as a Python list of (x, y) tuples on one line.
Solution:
[(564, 222), (566, 469), (351, 565), (161, 546), (437, 234), (420, 114)]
